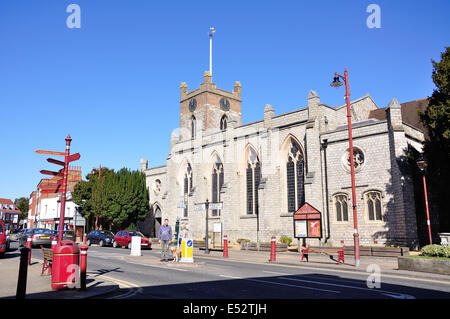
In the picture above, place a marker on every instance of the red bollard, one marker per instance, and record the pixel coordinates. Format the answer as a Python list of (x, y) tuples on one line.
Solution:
[(29, 242), (225, 246), (273, 250), (85, 237), (83, 266), (54, 243)]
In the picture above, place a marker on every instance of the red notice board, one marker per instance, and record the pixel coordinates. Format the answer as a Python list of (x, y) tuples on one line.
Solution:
[(307, 222)]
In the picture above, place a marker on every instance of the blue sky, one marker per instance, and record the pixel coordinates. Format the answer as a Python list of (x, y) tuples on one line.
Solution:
[(114, 83)]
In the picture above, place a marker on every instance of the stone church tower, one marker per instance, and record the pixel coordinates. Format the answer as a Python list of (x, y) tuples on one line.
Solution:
[(208, 108)]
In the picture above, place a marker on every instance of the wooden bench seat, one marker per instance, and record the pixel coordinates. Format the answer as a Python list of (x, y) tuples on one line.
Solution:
[(48, 258), (324, 250)]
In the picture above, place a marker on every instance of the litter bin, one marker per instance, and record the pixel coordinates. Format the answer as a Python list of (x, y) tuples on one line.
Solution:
[(65, 264)]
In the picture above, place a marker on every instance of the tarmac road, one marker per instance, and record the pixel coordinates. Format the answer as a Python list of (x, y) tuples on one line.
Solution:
[(145, 277)]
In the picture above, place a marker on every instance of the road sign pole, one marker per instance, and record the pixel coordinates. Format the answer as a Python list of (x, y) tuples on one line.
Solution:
[(206, 237), (64, 189)]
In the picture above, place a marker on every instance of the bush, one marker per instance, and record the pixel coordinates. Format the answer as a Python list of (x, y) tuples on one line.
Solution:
[(286, 240), (245, 240), (436, 251)]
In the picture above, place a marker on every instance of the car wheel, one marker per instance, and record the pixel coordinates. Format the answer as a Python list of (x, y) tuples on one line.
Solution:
[(114, 244), (88, 242), (101, 243)]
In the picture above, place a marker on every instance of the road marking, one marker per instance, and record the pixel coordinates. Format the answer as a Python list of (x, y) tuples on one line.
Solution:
[(130, 262), (389, 293), (281, 284), (277, 273), (331, 270), (134, 289)]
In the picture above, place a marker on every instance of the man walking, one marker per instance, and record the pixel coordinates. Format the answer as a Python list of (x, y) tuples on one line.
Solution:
[(165, 237)]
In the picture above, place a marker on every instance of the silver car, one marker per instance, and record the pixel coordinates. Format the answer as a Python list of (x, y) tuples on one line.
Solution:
[(39, 236)]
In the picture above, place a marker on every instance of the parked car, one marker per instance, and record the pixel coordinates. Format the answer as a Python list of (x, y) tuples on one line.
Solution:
[(101, 237), (39, 236), (67, 235), (123, 239), (4, 240), (20, 233)]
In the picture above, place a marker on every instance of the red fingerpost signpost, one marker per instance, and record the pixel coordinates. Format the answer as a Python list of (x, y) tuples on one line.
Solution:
[(65, 253), (61, 184)]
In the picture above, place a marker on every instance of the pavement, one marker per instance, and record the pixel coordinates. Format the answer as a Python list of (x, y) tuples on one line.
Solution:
[(39, 287)]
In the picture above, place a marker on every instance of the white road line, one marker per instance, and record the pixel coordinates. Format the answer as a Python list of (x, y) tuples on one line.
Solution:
[(403, 296), (281, 284), (277, 273), (170, 268)]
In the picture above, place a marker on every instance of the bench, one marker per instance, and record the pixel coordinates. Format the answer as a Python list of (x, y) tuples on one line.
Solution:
[(324, 250), (48, 257)]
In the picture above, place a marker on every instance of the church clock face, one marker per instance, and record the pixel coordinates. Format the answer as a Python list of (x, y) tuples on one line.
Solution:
[(192, 105), (224, 104)]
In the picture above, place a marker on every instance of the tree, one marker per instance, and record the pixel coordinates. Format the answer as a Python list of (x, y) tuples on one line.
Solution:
[(118, 199), (436, 119), (22, 205)]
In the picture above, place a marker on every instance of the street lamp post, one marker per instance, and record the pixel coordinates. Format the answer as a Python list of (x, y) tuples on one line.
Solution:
[(337, 83), (206, 237), (422, 164)]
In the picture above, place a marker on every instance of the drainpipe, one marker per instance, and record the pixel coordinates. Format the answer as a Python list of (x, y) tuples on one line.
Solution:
[(324, 148)]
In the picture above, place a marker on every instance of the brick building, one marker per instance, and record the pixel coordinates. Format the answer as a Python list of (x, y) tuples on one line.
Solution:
[(9, 213), (264, 171)]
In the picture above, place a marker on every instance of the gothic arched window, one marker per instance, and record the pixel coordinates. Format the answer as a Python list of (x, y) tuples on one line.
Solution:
[(187, 187), (373, 205), (193, 126), (341, 207), (295, 178), (253, 179), (223, 123), (216, 184)]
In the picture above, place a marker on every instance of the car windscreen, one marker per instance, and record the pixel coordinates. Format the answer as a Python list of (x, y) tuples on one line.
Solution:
[(107, 233), (42, 231), (133, 233)]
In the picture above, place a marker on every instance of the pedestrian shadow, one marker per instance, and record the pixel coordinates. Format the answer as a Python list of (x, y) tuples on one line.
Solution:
[(99, 272)]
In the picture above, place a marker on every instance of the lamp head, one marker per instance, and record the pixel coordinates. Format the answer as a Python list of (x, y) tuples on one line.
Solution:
[(336, 82), (421, 163)]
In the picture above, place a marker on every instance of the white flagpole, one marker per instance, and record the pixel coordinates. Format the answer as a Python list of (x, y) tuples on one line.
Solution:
[(211, 32)]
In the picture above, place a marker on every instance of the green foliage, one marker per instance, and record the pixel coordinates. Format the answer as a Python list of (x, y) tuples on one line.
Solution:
[(22, 204), (119, 199), (286, 240), (437, 147), (436, 251)]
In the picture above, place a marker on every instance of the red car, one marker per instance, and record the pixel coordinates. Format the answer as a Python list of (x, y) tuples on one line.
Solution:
[(123, 239), (4, 240)]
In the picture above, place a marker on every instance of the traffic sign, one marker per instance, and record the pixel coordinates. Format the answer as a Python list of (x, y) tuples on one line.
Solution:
[(200, 207), (214, 206)]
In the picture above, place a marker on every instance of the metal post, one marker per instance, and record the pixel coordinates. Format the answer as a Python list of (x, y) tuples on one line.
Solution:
[(64, 188), (426, 206), (83, 266), (29, 244), (225, 246), (23, 271), (206, 237), (352, 169)]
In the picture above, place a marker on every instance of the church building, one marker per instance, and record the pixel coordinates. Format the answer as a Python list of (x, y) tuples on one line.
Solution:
[(263, 172)]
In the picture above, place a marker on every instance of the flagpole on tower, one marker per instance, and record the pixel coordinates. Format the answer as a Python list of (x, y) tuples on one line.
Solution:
[(211, 33)]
